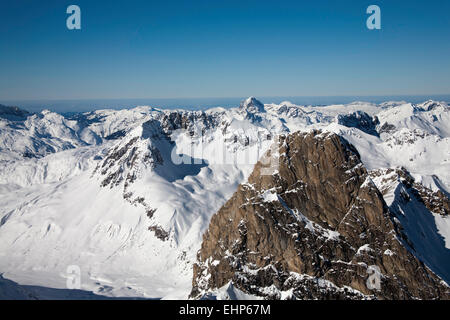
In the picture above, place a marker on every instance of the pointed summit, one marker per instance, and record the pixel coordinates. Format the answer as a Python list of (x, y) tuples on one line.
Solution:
[(136, 153), (252, 105)]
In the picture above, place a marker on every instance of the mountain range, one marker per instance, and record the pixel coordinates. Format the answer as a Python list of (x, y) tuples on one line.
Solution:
[(270, 201)]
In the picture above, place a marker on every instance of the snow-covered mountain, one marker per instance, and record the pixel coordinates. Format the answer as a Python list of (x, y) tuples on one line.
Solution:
[(127, 195)]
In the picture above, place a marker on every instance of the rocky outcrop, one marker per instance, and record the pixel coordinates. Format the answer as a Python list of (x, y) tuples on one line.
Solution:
[(317, 228), (359, 120), (251, 108), (129, 159), (420, 212), (435, 201), (194, 122), (138, 150), (386, 128)]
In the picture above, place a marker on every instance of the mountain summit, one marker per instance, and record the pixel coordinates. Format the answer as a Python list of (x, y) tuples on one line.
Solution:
[(252, 105)]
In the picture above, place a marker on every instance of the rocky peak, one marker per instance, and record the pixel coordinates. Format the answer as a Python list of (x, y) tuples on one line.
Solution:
[(434, 105), (132, 154), (435, 201), (359, 120), (252, 105), (314, 229), (142, 150), (196, 123), (419, 211)]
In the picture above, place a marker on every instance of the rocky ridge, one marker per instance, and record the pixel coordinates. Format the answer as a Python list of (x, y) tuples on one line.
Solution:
[(314, 229)]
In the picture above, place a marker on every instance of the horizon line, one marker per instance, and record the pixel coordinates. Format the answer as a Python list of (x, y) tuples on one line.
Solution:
[(227, 97)]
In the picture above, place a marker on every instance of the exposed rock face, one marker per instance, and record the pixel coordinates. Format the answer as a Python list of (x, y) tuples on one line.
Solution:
[(387, 128), (360, 120), (125, 160), (195, 122), (315, 229), (250, 109), (252, 105), (420, 211), (435, 201)]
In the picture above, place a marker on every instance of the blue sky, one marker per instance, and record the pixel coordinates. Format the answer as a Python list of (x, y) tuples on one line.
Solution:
[(174, 49)]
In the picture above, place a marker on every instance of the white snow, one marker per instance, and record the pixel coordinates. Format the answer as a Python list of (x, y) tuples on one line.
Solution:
[(270, 196)]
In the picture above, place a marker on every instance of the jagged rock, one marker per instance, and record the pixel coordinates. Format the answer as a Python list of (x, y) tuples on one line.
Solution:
[(316, 229), (435, 201), (419, 211), (116, 135), (124, 161), (387, 128), (195, 122), (251, 107), (160, 233), (359, 120)]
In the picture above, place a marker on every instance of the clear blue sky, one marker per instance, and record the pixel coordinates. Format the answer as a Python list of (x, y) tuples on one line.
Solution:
[(222, 48)]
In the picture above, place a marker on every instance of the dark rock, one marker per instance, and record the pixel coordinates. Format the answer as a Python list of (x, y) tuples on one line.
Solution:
[(13, 113), (160, 233), (359, 120)]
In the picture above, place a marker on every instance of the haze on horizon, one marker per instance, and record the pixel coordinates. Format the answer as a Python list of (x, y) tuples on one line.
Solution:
[(201, 49)]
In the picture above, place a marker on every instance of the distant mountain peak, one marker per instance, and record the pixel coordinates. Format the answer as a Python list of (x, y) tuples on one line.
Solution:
[(252, 105), (359, 120), (433, 105), (13, 113)]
